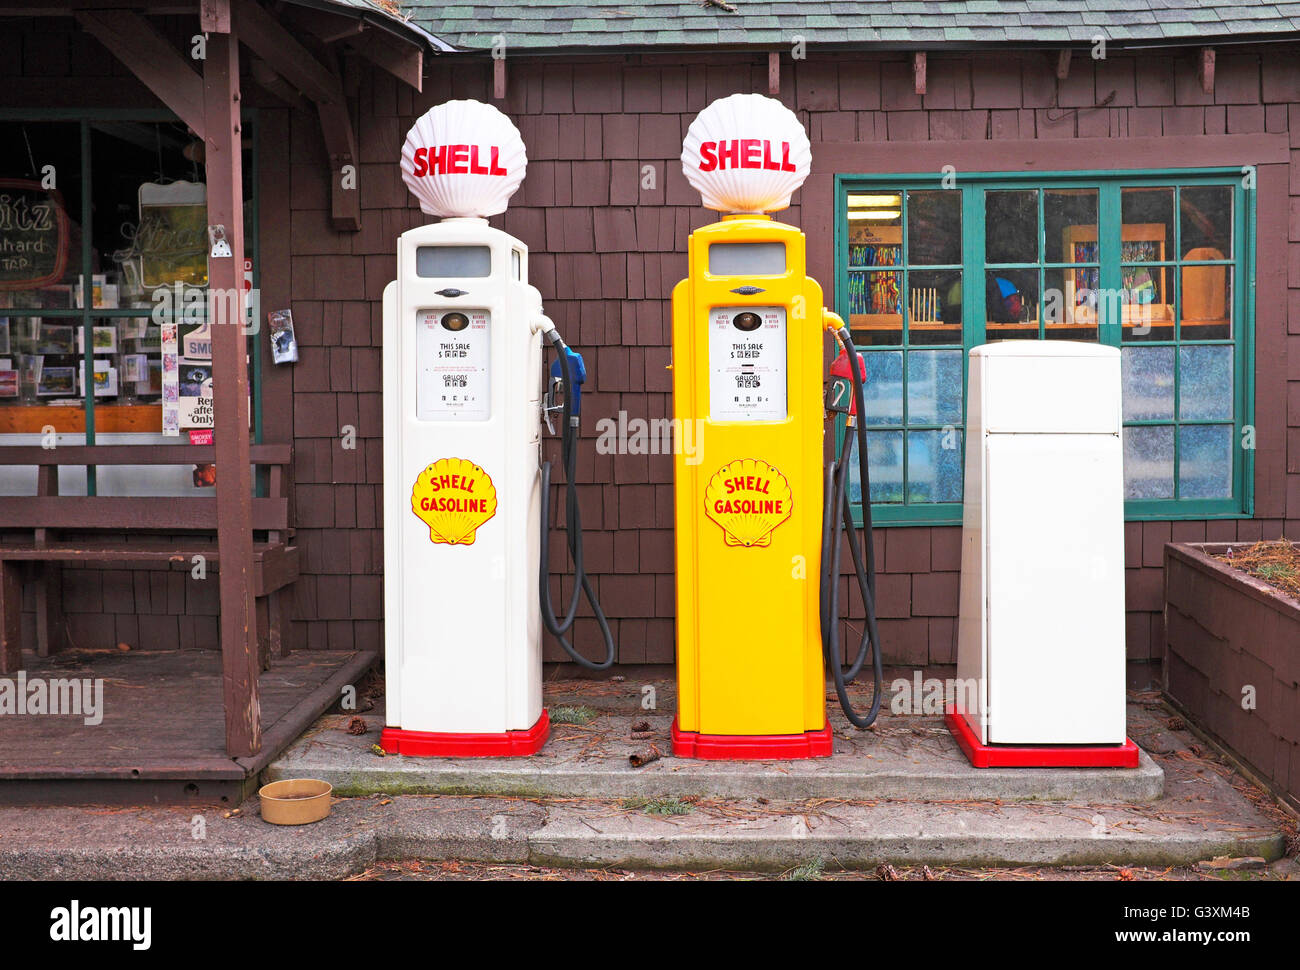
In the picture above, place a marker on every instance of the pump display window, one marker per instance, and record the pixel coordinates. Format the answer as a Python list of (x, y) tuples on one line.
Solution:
[(103, 280), (1156, 265)]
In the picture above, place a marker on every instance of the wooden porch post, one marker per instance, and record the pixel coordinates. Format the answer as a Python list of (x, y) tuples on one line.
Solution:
[(239, 654)]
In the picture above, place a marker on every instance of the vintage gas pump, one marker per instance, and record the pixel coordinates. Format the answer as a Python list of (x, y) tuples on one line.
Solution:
[(758, 537), (465, 493)]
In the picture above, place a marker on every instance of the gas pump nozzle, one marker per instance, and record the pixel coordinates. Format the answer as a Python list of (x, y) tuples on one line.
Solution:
[(555, 390)]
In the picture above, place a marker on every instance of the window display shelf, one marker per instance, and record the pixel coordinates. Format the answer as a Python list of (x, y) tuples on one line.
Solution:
[(109, 418)]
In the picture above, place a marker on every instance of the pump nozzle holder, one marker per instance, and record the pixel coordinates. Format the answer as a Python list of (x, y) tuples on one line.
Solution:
[(843, 402)]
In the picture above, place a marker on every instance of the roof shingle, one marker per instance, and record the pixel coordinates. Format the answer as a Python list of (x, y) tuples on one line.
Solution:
[(552, 24)]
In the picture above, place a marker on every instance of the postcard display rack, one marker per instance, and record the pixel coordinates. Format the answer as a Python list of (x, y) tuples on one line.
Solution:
[(152, 370)]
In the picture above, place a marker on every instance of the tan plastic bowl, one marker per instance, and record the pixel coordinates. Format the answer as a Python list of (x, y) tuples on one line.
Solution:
[(295, 801)]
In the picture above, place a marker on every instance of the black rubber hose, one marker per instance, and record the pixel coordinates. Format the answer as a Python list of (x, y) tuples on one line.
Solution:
[(865, 580), (573, 529), (840, 519)]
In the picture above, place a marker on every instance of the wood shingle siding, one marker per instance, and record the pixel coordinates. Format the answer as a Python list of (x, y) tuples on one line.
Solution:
[(605, 253)]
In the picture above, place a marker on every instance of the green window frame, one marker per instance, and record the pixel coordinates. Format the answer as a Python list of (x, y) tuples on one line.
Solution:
[(1109, 187), (83, 316)]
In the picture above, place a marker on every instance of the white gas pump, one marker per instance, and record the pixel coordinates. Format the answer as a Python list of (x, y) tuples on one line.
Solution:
[(464, 547)]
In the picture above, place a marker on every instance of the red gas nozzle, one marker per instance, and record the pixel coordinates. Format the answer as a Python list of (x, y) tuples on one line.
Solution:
[(840, 398)]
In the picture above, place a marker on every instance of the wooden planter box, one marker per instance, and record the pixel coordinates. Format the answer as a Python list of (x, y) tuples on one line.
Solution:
[(1225, 631)]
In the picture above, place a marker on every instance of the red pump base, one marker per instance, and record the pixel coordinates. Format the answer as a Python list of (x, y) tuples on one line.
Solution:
[(1039, 755), (751, 747), (437, 744)]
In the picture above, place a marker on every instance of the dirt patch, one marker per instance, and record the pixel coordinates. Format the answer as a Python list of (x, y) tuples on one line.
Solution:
[(1275, 562)]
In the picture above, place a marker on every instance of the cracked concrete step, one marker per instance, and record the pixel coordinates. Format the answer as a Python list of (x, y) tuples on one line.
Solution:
[(904, 758), (860, 837), (158, 843)]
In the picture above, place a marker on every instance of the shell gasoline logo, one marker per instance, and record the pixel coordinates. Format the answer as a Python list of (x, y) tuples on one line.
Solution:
[(454, 497), (748, 498)]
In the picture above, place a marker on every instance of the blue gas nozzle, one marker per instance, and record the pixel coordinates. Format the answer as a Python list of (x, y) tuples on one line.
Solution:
[(577, 369)]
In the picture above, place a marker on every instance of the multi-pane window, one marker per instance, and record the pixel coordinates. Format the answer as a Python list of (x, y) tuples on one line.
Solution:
[(904, 277), (104, 278), (1180, 387), (1152, 265)]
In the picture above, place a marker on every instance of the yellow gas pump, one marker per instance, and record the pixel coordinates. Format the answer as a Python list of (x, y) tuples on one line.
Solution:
[(748, 341)]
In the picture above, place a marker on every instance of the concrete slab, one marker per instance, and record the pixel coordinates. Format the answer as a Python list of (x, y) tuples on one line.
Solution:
[(1200, 815), (753, 837), (903, 758), (744, 834)]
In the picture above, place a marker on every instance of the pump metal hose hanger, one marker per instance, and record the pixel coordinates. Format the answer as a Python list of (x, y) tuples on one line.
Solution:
[(466, 501)]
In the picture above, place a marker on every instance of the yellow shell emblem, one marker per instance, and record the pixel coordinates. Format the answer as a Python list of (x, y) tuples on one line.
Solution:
[(454, 497), (748, 498)]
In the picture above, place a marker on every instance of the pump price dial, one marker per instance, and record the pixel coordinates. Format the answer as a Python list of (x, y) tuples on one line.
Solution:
[(453, 376), (747, 363)]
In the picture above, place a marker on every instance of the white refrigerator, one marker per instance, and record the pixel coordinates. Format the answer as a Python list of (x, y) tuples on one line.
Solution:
[(1040, 645)]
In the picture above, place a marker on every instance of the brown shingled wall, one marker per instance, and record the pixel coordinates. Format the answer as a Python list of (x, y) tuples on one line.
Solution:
[(605, 254)]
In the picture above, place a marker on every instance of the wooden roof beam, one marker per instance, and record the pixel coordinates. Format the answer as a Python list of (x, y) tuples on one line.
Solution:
[(498, 78), (341, 146), (272, 42), (918, 71), (402, 60), (388, 51), (267, 79), (62, 8), (214, 16), (1205, 69), (325, 26), (153, 60), (1063, 64)]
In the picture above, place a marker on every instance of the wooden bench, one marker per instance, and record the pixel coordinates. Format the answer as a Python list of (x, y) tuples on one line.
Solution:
[(48, 529)]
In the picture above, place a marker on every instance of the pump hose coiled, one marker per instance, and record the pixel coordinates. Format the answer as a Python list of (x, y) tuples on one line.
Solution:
[(836, 520), (573, 528)]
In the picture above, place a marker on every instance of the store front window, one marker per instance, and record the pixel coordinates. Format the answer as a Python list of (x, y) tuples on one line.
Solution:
[(1149, 264), (103, 280)]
